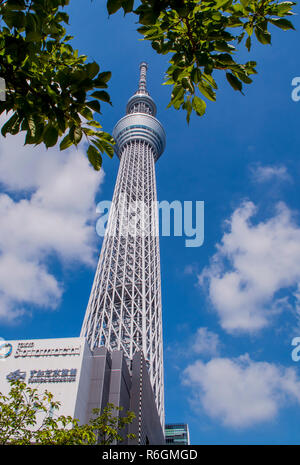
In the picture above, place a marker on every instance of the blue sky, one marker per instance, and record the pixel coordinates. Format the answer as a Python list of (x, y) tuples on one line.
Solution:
[(230, 307)]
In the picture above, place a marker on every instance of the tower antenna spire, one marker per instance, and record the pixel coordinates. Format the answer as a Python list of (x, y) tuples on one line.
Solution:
[(143, 81)]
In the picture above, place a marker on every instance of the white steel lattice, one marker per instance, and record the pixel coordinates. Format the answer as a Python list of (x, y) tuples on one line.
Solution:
[(124, 309)]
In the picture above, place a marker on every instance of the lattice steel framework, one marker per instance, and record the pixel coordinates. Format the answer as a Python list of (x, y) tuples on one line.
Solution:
[(124, 309)]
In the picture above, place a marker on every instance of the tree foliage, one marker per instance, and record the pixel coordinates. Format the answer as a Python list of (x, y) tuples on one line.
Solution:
[(27, 416), (203, 37), (52, 91)]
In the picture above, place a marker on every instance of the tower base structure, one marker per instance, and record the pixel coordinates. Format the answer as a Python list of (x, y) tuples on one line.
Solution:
[(82, 380), (112, 382)]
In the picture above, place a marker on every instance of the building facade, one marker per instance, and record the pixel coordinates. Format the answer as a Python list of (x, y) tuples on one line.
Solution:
[(62, 366), (177, 434), (124, 310), (82, 380)]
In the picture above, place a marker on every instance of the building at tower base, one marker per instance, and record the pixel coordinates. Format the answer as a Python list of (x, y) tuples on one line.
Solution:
[(82, 380), (112, 382)]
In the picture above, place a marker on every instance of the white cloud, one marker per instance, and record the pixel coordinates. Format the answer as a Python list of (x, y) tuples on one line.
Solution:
[(27, 281), (252, 263), (48, 208), (206, 342), (266, 173), (240, 392)]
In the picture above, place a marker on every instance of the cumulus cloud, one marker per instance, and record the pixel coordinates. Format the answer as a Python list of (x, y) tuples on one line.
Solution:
[(252, 263), (47, 207), (267, 173), (206, 342), (240, 392)]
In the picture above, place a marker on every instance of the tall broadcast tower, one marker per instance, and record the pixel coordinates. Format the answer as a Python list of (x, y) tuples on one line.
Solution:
[(124, 310)]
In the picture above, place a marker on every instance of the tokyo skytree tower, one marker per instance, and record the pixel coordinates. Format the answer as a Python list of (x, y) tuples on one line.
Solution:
[(124, 310)]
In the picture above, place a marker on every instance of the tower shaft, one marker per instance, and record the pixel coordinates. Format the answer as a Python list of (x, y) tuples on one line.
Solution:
[(124, 310)]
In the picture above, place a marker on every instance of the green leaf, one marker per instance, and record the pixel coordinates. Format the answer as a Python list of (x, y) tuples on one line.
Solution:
[(223, 3), (94, 105), (92, 69), (234, 21), (187, 84), (216, 16), (14, 19), (199, 105), (62, 16), (109, 150), (75, 134), (234, 82), (177, 96), (248, 43), (89, 132), (188, 107), (94, 157), (31, 126), (207, 91), (196, 75), (101, 95), (223, 46), (101, 80), (245, 3), (86, 112), (113, 6), (282, 23), (244, 77), (33, 36), (60, 118), (103, 145), (9, 125), (50, 135), (210, 80), (16, 5), (105, 76), (224, 58), (65, 143), (106, 136), (95, 124), (249, 28), (148, 17), (263, 36), (283, 8), (127, 5)]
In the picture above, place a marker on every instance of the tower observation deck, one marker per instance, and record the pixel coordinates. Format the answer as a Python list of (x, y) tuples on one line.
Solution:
[(124, 310)]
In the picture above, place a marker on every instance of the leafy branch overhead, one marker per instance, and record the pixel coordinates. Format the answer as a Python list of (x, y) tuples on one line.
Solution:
[(53, 93), (50, 89), (204, 36)]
